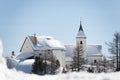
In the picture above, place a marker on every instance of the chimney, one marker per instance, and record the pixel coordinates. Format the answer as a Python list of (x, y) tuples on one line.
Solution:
[(34, 39)]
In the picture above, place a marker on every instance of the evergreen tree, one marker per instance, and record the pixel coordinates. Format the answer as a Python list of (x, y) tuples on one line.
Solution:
[(41, 66), (37, 66)]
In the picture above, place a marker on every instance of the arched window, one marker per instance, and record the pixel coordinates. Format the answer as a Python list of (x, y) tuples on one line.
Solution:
[(81, 42)]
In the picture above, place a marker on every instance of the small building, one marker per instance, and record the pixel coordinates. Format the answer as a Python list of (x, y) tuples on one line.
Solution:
[(45, 46)]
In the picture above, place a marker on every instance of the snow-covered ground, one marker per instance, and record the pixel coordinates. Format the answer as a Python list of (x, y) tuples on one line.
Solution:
[(6, 74)]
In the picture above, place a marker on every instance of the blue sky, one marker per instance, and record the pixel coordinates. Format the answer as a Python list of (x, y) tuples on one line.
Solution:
[(58, 18)]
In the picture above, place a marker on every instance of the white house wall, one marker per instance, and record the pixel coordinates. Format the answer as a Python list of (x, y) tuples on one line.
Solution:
[(60, 55), (26, 47)]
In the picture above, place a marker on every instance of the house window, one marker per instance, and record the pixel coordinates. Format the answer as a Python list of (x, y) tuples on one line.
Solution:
[(81, 42)]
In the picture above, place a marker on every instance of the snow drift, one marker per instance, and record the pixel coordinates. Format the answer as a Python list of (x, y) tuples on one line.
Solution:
[(6, 74)]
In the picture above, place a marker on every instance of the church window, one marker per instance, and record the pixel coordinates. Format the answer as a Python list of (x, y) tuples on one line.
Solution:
[(81, 42), (95, 61)]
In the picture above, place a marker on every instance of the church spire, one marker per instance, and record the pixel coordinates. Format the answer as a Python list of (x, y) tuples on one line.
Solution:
[(80, 29)]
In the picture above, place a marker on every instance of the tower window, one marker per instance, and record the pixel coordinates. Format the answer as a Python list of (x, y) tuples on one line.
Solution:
[(81, 42), (95, 61)]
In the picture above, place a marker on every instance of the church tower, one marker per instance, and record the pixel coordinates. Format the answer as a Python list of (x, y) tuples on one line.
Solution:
[(81, 42)]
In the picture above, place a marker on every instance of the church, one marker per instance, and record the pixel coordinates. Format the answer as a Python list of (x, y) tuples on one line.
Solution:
[(91, 53), (47, 46)]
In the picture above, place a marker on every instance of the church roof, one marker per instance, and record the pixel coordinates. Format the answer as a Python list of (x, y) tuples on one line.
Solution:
[(91, 50), (80, 28), (81, 32)]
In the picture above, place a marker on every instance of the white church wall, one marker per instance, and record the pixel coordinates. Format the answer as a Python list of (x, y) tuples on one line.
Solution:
[(78, 40), (91, 59)]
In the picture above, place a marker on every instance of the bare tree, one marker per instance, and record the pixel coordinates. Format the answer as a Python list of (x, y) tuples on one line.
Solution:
[(78, 58), (114, 48)]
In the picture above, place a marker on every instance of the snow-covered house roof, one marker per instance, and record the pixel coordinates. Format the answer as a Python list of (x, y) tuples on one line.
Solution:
[(24, 56), (47, 42), (43, 43)]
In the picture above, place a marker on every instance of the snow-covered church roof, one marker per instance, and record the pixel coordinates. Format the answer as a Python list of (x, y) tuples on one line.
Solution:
[(91, 50), (94, 50)]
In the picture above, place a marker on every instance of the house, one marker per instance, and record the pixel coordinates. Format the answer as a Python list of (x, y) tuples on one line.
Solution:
[(46, 46)]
